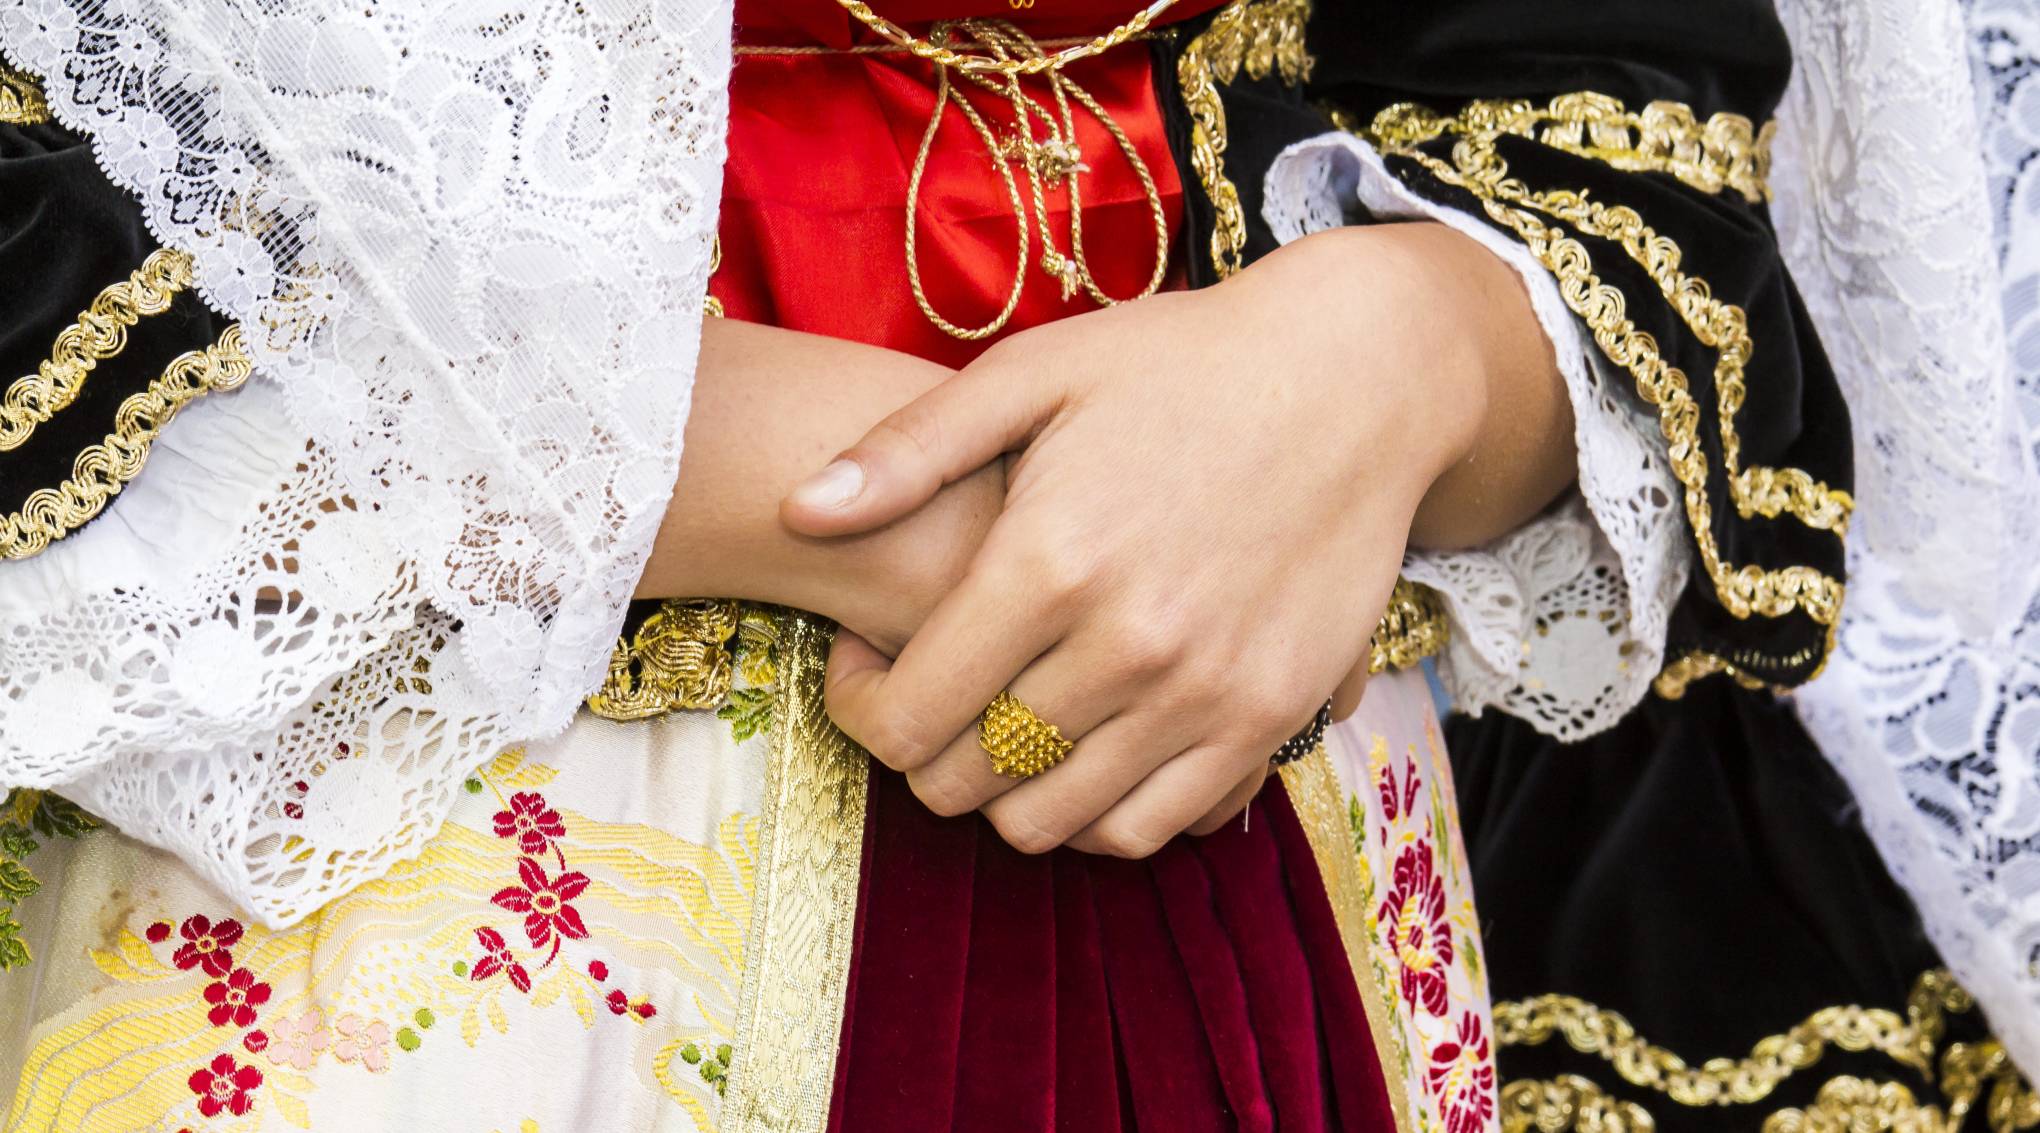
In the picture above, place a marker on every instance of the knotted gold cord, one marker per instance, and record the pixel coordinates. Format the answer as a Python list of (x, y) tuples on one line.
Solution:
[(938, 52), (1053, 158)]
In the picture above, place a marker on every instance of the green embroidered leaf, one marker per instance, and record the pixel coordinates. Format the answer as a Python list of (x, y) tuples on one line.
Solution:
[(13, 951), (749, 712), (56, 817), (16, 843), (16, 883)]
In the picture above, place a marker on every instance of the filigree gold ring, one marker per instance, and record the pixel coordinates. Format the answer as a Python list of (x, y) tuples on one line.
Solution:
[(1021, 744)]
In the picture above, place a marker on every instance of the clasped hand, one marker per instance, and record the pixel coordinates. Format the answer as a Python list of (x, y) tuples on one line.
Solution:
[(1208, 499)]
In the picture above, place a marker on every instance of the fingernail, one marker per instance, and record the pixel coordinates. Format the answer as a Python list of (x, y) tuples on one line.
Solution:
[(833, 487)]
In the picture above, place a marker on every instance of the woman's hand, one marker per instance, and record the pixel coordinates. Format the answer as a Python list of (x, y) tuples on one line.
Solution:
[(1209, 512)]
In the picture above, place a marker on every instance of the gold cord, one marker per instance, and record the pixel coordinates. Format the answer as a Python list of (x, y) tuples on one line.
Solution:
[(940, 54), (1056, 157)]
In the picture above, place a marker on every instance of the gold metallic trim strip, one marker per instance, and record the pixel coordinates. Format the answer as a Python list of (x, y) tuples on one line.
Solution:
[(1320, 805), (1261, 36), (21, 99), (1479, 169), (804, 910), (1727, 151), (101, 471), (100, 333)]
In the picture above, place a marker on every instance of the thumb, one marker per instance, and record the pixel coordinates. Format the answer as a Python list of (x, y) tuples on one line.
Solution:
[(942, 436)]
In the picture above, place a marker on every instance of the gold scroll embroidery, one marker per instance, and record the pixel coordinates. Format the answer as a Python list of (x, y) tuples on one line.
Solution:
[(1478, 168), (101, 471), (1314, 792), (1262, 36), (804, 910), (1966, 1071), (680, 658), (21, 99), (99, 333), (1413, 627)]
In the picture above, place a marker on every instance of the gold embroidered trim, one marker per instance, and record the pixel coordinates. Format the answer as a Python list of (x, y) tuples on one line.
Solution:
[(21, 99), (101, 471), (1569, 1102), (99, 333), (1727, 151), (1262, 36), (1844, 1103), (679, 658), (710, 305), (1672, 680), (1320, 805), (935, 49), (804, 910), (1478, 168), (1413, 627)]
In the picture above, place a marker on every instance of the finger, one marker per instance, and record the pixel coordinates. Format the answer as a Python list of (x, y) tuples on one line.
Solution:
[(1062, 689), (1046, 811), (1233, 803), (944, 435), (1163, 805), (975, 643), (1351, 691)]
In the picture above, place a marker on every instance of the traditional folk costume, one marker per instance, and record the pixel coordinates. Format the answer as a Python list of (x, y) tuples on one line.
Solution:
[(398, 829)]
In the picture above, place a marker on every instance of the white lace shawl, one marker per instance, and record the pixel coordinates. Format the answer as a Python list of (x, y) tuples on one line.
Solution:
[(1906, 206), (468, 241)]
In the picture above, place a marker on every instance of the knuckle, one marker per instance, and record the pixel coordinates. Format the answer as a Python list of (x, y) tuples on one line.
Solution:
[(1130, 839), (913, 431), (941, 794), (895, 741), (1025, 832), (1062, 570), (1148, 646)]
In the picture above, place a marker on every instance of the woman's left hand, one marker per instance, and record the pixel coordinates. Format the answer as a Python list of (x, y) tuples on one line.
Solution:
[(1210, 508)]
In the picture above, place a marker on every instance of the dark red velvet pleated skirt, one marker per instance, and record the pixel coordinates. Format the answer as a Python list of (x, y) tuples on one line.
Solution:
[(1205, 988)]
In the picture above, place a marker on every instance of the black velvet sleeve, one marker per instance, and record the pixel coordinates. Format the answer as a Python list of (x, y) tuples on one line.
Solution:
[(1623, 145), (86, 381)]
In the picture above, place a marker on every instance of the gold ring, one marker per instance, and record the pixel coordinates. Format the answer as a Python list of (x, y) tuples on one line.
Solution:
[(1020, 743)]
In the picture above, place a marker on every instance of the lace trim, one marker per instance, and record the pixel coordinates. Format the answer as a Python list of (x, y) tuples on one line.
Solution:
[(1478, 168), (1727, 151), (1262, 36), (1913, 1040), (102, 470), (100, 333)]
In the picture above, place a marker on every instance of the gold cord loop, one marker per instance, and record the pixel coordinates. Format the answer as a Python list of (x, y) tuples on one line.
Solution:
[(939, 53)]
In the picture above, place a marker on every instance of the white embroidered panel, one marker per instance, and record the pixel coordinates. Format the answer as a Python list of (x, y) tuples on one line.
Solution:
[(1906, 214), (468, 243), (1562, 621)]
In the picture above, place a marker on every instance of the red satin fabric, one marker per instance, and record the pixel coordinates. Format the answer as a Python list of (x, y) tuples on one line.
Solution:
[(1203, 989)]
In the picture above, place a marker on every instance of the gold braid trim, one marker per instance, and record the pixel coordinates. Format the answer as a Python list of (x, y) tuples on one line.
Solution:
[(1478, 168), (1844, 1103), (1414, 627), (1262, 36), (1727, 151), (21, 99), (101, 471), (99, 333), (1569, 1102)]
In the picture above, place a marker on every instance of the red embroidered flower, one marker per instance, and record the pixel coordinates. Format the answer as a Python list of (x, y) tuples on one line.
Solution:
[(543, 901), (1394, 805), (645, 1010), (598, 971), (207, 945), (255, 1041), (224, 1086), (235, 998), (159, 932), (497, 957), (618, 1002), (1463, 1079), (1413, 915), (530, 821)]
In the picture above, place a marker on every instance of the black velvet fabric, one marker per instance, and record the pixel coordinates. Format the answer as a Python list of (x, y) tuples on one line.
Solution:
[(1699, 869), (66, 233)]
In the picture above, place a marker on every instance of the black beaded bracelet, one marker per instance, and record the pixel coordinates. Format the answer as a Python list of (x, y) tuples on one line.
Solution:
[(1300, 744)]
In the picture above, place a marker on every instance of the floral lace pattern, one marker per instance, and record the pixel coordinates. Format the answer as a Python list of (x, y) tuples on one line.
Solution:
[(476, 245), (1902, 178)]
